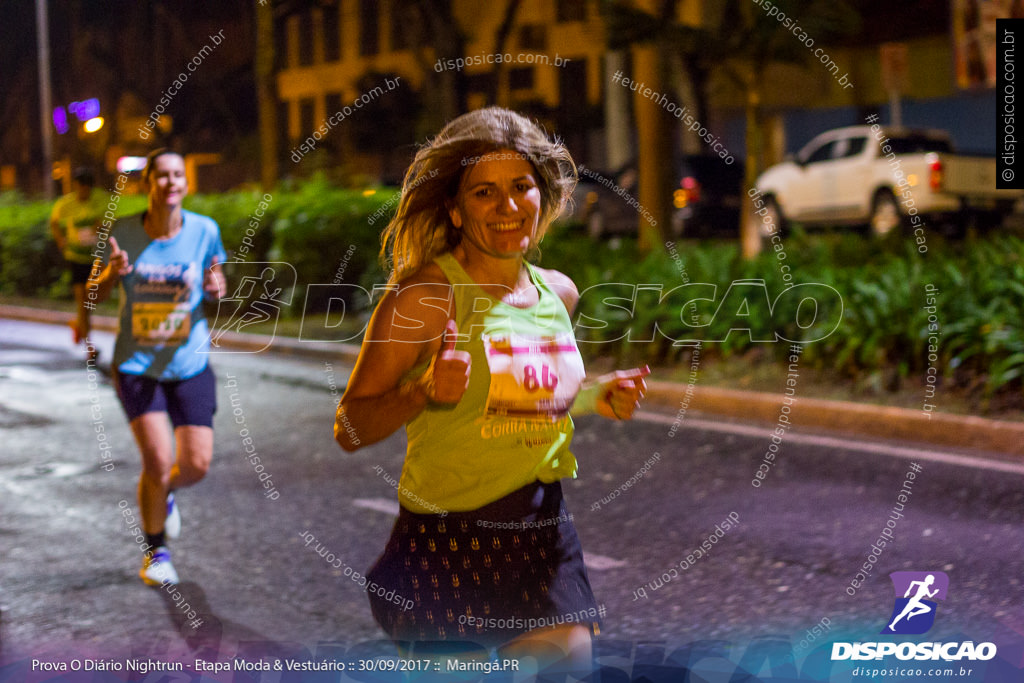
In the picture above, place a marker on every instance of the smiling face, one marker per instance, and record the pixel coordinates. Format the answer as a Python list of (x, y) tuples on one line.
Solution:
[(167, 185), (498, 205)]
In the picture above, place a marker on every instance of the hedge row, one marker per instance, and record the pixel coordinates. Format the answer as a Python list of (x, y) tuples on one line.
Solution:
[(313, 226), (858, 305)]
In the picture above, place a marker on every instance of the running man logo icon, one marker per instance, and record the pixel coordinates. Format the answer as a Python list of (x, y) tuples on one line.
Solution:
[(914, 611), (263, 290)]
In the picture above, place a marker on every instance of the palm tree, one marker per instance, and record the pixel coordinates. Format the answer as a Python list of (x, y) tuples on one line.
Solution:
[(750, 41), (736, 39), (266, 94), (642, 29)]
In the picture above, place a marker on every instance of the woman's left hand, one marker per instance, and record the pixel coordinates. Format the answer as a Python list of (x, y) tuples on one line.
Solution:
[(214, 283), (620, 392)]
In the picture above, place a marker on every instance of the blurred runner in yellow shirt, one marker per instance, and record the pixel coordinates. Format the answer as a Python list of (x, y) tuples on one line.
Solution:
[(73, 222)]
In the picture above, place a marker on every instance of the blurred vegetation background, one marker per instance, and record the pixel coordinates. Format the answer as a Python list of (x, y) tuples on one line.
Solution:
[(881, 340)]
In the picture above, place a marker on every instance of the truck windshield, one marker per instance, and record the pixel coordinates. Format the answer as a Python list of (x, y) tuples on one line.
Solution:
[(913, 144)]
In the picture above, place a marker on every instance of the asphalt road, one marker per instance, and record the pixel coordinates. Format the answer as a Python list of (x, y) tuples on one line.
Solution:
[(649, 494)]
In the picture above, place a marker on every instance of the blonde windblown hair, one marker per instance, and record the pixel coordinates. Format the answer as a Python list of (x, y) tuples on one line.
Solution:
[(421, 228)]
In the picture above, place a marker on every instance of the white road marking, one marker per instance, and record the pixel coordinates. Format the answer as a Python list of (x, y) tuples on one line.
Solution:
[(600, 562), (379, 504), (841, 443)]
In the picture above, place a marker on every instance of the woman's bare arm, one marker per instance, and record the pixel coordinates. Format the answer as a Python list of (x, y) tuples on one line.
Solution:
[(407, 328), (102, 281)]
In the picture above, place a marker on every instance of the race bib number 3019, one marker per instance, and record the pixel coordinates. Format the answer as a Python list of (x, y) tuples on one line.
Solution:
[(532, 377), (161, 323)]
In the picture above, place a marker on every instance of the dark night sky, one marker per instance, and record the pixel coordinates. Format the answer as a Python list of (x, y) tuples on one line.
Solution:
[(103, 48)]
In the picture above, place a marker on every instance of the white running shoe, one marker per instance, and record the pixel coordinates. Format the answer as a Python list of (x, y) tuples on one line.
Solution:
[(157, 569), (172, 525)]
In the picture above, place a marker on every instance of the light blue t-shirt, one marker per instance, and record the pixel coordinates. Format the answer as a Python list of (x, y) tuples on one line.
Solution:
[(163, 333)]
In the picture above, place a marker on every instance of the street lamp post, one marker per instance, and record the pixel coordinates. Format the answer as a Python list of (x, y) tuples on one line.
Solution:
[(45, 104)]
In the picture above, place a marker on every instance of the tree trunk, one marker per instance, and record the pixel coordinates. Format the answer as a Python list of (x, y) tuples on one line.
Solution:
[(655, 148), (266, 94), (750, 231), (617, 131), (501, 37)]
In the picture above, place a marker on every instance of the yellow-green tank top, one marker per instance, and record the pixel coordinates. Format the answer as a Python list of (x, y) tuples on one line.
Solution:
[(465, 456)]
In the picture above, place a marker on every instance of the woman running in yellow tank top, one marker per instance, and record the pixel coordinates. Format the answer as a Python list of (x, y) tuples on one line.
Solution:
[(472, 350)]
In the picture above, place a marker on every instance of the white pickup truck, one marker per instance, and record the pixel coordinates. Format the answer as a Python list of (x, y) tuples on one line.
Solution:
[(883, 177)]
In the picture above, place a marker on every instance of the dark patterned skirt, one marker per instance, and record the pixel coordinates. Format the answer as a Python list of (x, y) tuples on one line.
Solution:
[(483, 576)]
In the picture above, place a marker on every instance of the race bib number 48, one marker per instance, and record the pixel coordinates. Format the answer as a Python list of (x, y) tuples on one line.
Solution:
[(532, 377), (161, 323)]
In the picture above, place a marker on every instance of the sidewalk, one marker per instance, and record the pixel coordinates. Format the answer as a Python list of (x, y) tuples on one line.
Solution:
[(997, 438)]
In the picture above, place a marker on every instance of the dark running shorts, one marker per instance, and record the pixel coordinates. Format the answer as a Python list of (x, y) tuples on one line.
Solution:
[(191, 401), (486, 576), (79, 272)]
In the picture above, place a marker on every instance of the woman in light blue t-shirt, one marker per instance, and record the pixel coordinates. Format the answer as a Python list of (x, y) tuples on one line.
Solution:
[(165, 262)]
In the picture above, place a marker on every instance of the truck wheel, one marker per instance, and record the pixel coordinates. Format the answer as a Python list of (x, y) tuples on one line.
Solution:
[(885, 214), (991, 220)]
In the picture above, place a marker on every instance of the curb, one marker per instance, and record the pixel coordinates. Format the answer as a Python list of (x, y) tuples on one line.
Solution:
[(999, 439), (242, 343)]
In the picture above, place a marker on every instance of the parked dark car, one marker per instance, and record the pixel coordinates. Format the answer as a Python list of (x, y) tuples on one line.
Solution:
[(706, 200), (603, 202)]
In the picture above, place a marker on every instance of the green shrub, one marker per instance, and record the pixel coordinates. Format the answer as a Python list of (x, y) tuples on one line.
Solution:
[(327, 235), (235, 213), (316, 227), (884, 326), (30, 263)]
